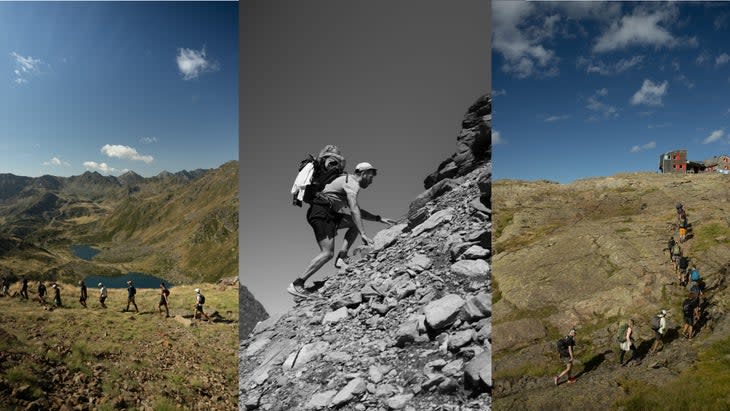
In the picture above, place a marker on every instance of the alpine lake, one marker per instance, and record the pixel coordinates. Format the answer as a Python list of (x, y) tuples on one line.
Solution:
[(140, 280)]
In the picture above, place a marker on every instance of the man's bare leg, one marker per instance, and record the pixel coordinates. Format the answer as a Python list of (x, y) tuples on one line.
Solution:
[(327, 251)]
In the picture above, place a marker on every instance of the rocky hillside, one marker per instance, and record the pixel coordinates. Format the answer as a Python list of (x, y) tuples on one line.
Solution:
[(588, 254), (405, 326), (181, 226)]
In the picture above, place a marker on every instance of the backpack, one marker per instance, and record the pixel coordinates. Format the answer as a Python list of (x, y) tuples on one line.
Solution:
[(202, 299), (688, 307), (621, 336), (166, 292), (655, 323), (320, 178), (695, 275), (676, 250), (562, 345), (132, 291)]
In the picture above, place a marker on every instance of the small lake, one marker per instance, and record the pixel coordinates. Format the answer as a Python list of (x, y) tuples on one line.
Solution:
[(84, 252), (140, 280)]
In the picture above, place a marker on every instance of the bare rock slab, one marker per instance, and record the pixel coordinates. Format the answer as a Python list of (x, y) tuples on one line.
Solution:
[(443, 312)]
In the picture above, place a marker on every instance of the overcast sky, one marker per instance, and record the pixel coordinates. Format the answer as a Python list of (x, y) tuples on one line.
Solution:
[(592, 89), (388, 82), (114, 86)]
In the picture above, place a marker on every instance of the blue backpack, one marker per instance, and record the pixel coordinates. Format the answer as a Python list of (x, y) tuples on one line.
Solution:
[(695, 275)]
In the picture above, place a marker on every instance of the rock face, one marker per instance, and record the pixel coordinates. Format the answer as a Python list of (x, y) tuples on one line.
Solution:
[(473, 144), (250, 311), (398, 327)]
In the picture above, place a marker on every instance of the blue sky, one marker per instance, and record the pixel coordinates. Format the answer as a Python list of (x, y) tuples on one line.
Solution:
[(111, 87), (585, 89)]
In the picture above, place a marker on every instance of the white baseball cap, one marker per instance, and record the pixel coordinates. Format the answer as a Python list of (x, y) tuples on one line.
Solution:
[(364, 167), (197, 290)]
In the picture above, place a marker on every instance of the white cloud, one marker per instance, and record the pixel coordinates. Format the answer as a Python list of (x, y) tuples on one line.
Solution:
[(650, 93), (193, 63), (684, 80), (722, 59), (606, 69), (647, 146), (552, 119), (497, 93), (125, 152), (148, 140), (103, 167), (496, 138), (714, 136), (55, 161), (643, 28), (523, 54), (25, 67), (595, 104), (702, 58)]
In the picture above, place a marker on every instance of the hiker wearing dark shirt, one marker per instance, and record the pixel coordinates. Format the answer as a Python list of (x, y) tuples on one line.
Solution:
[(56, 295), (565, 349), (5, 285), (670, 245), (131, 292), (164, 294), (337, 208), (689, 310), (682, 273), (41, 292), (24, 289), (83, 295)]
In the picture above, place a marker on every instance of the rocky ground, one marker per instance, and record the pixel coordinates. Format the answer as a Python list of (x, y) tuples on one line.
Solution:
[(588, 254), (73, 358), (407, 325)]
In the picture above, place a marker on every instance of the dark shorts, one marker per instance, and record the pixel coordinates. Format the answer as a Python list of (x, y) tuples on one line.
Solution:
[(102, 299), (324, 221), (130, 299), (163, 301), (565, 360), (657, 336), (688, 319), (199, 308)]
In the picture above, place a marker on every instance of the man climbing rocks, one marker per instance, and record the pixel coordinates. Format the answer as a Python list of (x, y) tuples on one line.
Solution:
[(199, 302), (336, 207), (56, 295), (659, 326), (131, 293), (24, 289), (626, 343), (689, 308), (164, 294), (41, 292), (565, 349), (83, 295), (102, 295)]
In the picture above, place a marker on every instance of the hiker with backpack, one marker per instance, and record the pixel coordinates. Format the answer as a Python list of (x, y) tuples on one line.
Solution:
[(6, 286), (24, 289), (683, 264), (83, 294), (56, 295), (676, 254), (199, 302), (659, 326), (333, 198), (690, 306), (681, 214), (670, 245), (41, 292), (102, 295), (682, 230), (164, 294), (625, 341), (565, 350), (131, 293)]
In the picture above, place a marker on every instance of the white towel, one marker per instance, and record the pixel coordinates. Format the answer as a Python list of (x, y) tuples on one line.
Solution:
[(303, 179)]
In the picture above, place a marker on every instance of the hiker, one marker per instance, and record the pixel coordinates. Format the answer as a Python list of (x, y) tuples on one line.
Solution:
[(102, 295), (24, 289), (670, 245), (624, 338), (683, 264), (6, 286), (56, 295), (681, 214), (682, 230), (164, 294), (199, 302), (41, 292), (83, 296), (336, 207), (689, 310), (131, 292), (676, 253), (565, 349), (659, 326)]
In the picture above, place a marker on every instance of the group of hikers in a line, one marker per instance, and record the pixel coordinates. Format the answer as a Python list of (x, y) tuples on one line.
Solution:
[(332, 195), (687, 275), (103, 294)]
